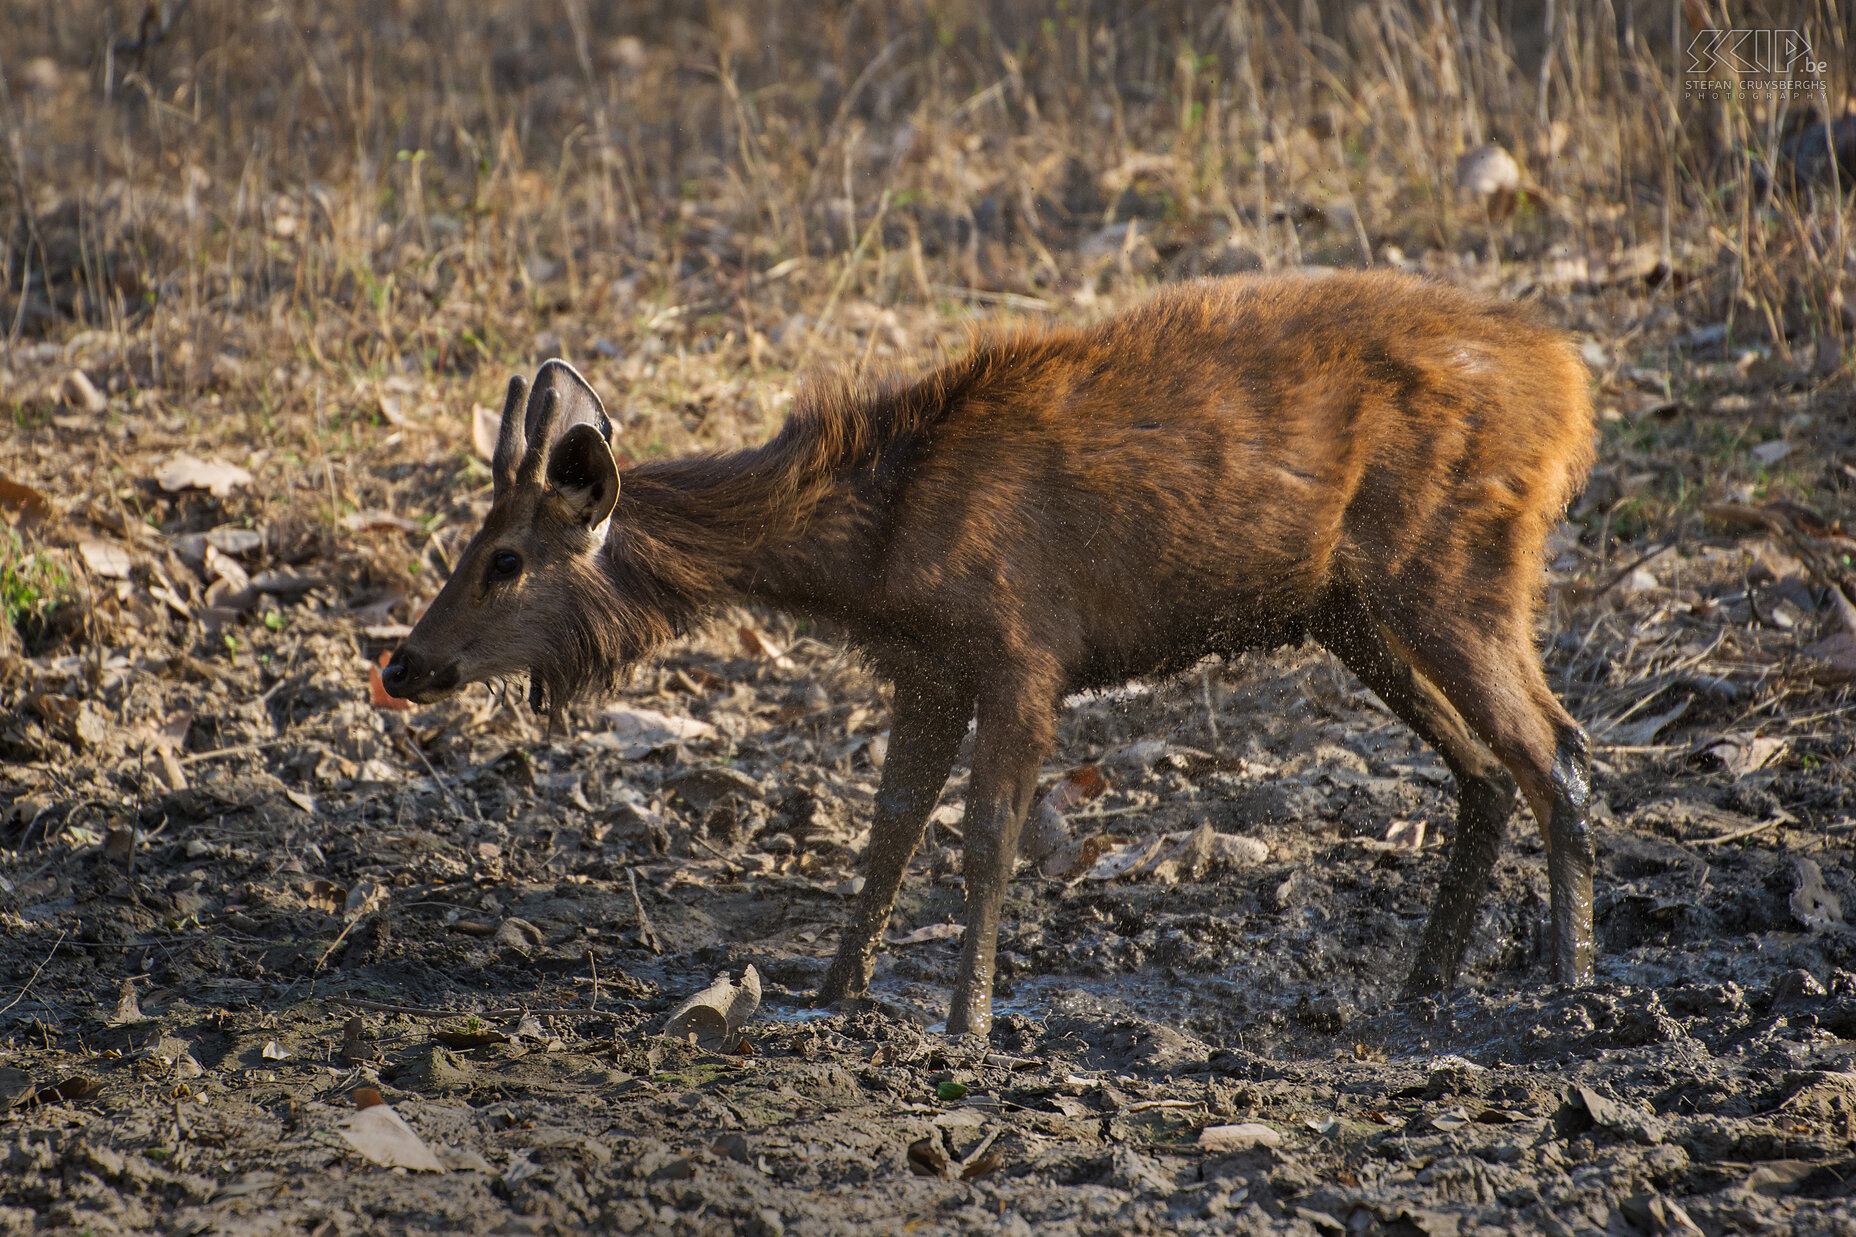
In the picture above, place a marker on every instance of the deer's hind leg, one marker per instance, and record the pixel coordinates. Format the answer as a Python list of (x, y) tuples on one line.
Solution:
[(1482, 659), (1485, 790)]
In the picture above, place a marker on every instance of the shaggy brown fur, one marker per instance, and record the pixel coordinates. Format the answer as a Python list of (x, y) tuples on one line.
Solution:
[(1367, 459)]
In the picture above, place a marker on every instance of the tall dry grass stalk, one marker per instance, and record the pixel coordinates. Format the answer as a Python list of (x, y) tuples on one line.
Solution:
[(272, 203)]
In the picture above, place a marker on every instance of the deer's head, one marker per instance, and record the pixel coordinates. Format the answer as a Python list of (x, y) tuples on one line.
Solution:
[(533, 592)]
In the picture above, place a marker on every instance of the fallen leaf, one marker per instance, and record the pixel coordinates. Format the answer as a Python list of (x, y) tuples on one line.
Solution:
[(1077, 787), (1812, 903), (326, 896), (756, 645), (641, 731), (1770, 453), (377, 690), (186, 472), (361, 521), (80, 394), (1834, 657), (927, 1158), (76, 1087), (364, 899), (1454, 1119), (1406, 835), (1644, 731), (1125, 859), (105, 558), (128, 1009), (274, 1051), (1241, 1137), (714, 1017), (31, 504), (1742, 754), (380, 1134), (172, 733), (932, 932), (485, 425)]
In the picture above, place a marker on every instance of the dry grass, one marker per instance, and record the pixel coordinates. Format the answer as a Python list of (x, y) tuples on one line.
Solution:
[(309, 240)]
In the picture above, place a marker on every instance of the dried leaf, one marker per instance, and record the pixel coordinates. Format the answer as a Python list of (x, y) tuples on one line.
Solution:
[(105, 558), (1812, 903), (1125, 859), (932, 932), (1834, 657), (485, 424), (380, 1134), (1406, 835), (364, 899), (1644, 731), (361, 521), (186, 472), (716, 1015), (640, 731), (172, 733), (377, 690), (756, 645), (274, 1051), (80, 394), (22, 498), (1078, 786), (326, 896), (1742, 754)]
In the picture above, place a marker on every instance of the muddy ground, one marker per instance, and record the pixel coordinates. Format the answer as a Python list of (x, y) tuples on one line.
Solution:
[(261, 264), (202, 978)]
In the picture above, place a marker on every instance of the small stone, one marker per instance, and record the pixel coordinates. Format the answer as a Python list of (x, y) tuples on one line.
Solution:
[(1240, 1137)]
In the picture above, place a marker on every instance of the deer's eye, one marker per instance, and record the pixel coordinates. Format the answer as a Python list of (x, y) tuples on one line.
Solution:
[(504, 565)]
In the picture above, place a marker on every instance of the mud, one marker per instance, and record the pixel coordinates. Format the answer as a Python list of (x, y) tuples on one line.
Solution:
[(178, 1052)]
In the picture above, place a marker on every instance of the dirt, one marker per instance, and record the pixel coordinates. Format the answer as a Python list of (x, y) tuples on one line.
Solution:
[(188, 987), (263, 262)]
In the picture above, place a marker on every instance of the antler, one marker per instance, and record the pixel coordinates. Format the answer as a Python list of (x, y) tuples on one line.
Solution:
[(537, 454), (509, 436)]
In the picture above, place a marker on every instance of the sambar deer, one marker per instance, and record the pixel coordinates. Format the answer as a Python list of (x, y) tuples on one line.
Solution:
[(1370, 460)]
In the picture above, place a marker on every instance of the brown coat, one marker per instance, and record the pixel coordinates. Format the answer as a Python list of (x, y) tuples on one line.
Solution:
[(1368, 459)]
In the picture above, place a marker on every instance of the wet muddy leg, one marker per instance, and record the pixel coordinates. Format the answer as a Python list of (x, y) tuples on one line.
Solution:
[(1570, 859), (1485, 791), (1014, 735), (927, 724)]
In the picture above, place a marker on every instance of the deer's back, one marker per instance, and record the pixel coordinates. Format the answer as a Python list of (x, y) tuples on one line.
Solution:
[(1196, 473)]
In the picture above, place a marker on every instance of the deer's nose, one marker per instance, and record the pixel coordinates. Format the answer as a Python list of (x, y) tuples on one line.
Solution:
[(400, 673)]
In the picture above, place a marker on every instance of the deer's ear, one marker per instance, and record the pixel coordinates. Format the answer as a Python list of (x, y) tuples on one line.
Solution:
[(583, 481), (579, 404)]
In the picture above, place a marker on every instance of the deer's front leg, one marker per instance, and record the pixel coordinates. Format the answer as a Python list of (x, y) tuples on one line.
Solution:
[(926, 726), (1014, 735)]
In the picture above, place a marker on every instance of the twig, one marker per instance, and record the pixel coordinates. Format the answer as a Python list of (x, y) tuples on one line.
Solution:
[(1622, 573), (732, 865), (1737, 834), (339, 938), (240, 749), (445, 790), (646, 932), (35, 974), (416, 1011)]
